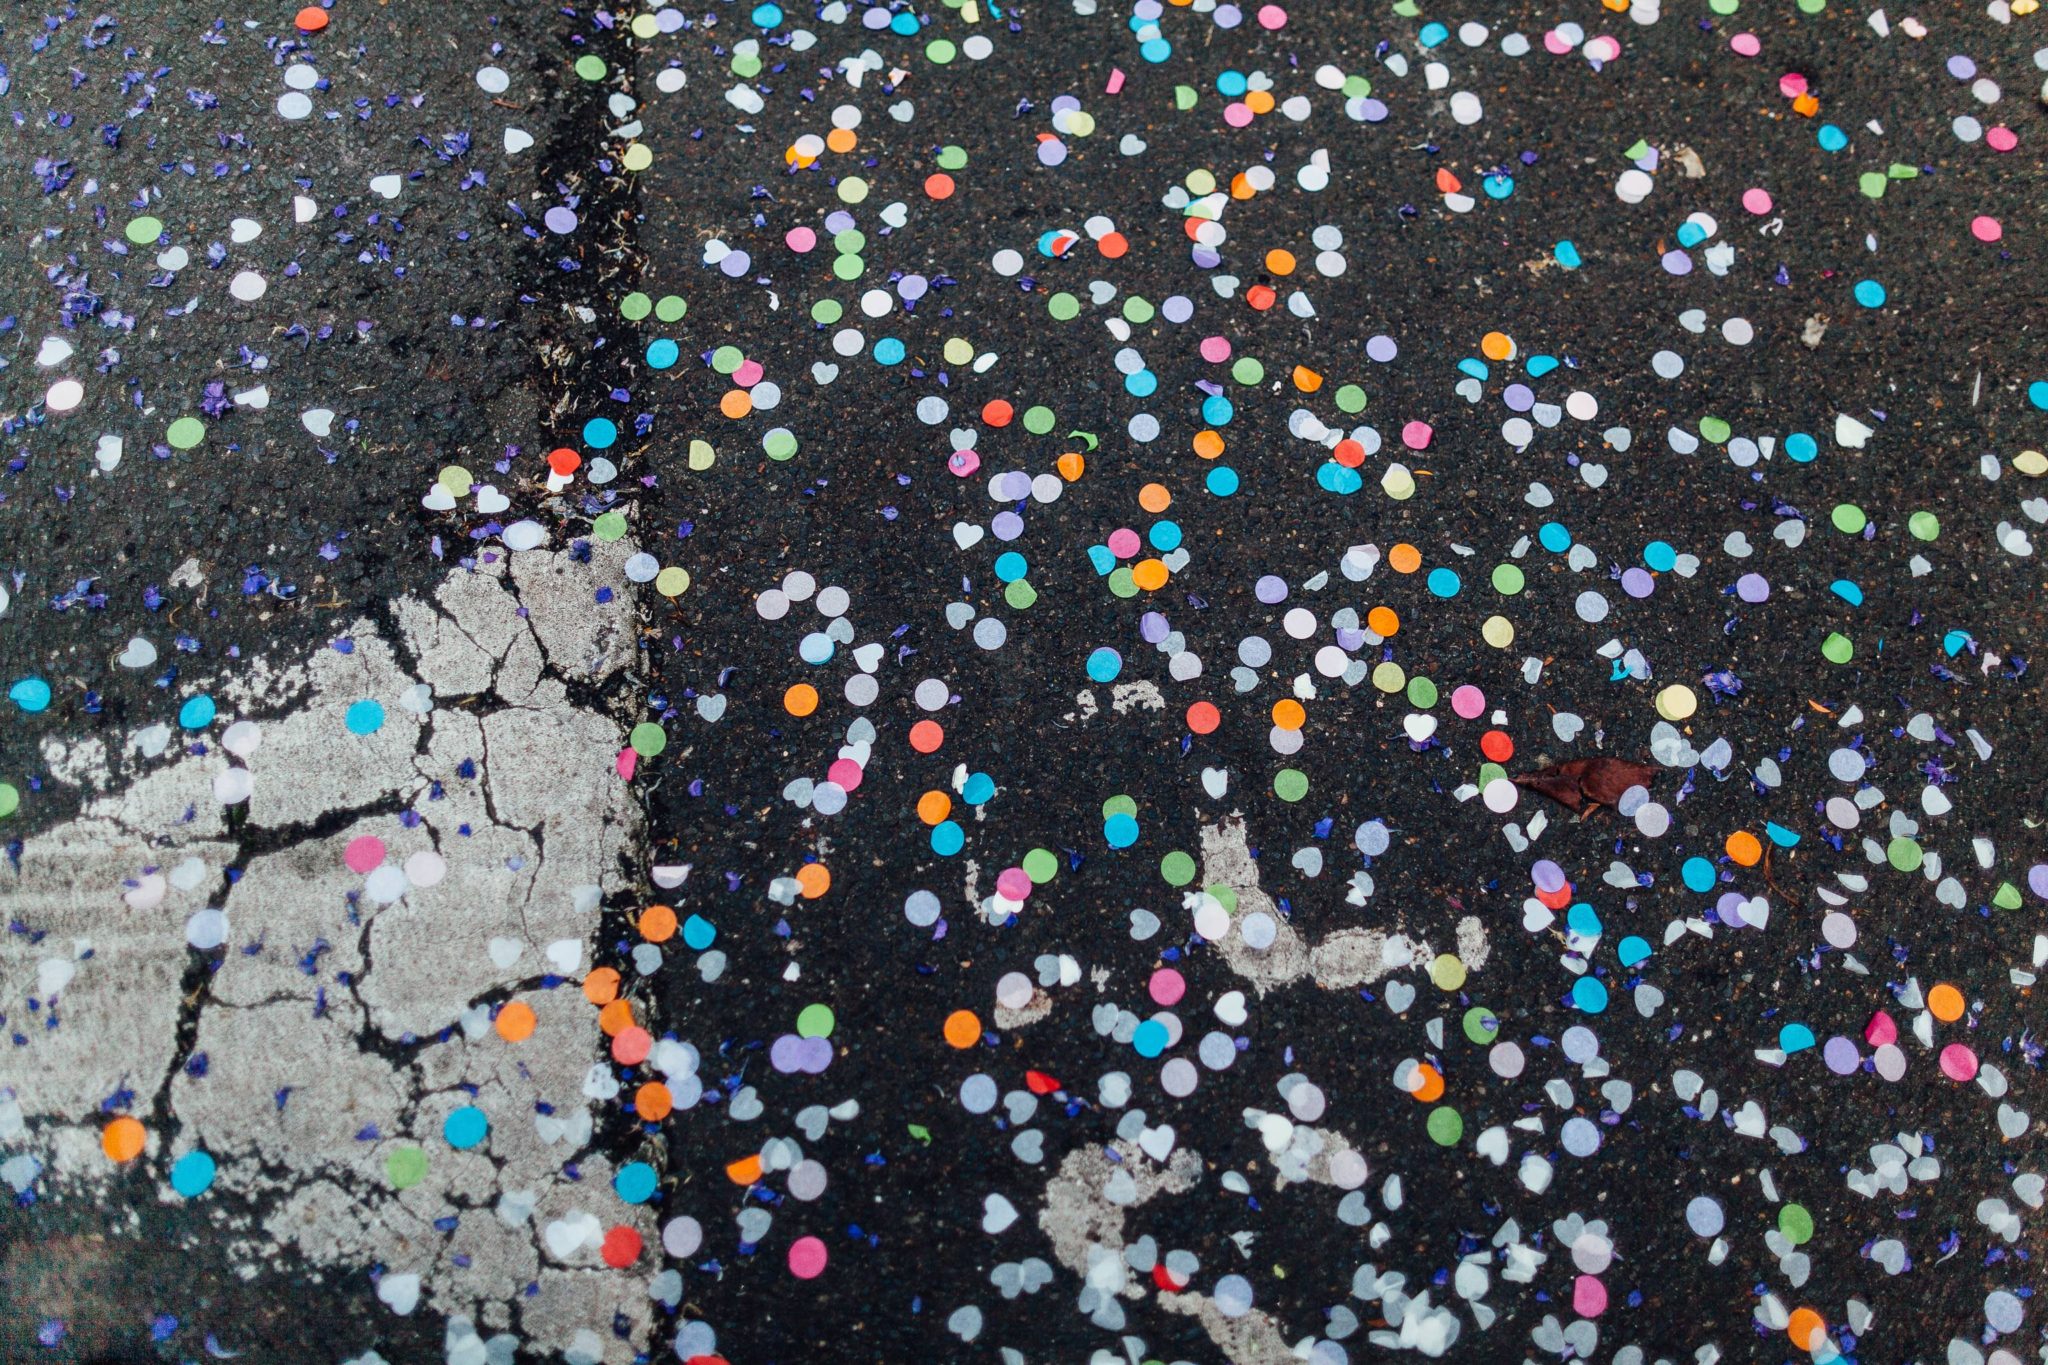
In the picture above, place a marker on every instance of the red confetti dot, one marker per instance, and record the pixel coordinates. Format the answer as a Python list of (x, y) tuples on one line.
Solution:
[(926, 736), (939, 185), (1203, 718), (1496, 746), (564, 461), (621, 1248), (997, 412)]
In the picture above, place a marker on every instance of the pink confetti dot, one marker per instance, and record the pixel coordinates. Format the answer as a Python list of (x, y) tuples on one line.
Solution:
[(1014, 883), (1167, 986), (807, 1258), (1215, 350), (364, 853), (627, 764), (1880, 1030), (1415, 435), (1556, 44), (1589, 1296), (800, 239), (1757, 201), (1985, 228), (1745, 45), (2002, 139), (1791, 85), (1468, 701), (845, 772), (1603, 49), (1272, 17), (964, 462), (1123, 542), (1237, 114), (748, 374), (1958, 1062)]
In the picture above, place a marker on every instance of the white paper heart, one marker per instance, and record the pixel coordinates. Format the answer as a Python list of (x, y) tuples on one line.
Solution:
[(386, 186), (711, 706), (505, 951), (438, 499), (399, 1293), (1157, 1143), (823, 373), (997, 1213), (54, 351), (967, 535), (1215, 781), (140, 653), (570, 1234), (517, 140), (319, 421), (1536, 916), (1400, 995), (107, 455), (564, 954), (490, 501)]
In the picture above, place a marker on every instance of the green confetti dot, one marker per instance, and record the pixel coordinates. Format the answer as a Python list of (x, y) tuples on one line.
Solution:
[(847, 268), (1350, 398), (145, 230), (941, 51), (1063, 306), (1836, 649), (648, 739), (1796, 1223), (779, 444), (670, 308), (1177, 868), (1138, 310), (635, 306), (1356, 87), (1421, 693), (1446, 1126), (815, 1021), (185, 433), (1247, 370), (1924, 525), (827, 311), (952, 157), (1904, 854), (1491, 772), (1226, 896), (1119, 805), (1507, 579), (851, 241), (1849, 518), (727, 359), (746, 66), (1715, 429), (590, 67), (1020, 594), (2007, 897), (1041, 865), (1121, 583), (405, 1167), (609, 526), (1038, 419), (10, 799), (1290, 784), (1481, 1026)]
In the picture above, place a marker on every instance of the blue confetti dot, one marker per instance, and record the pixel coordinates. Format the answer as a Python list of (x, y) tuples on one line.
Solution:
[(904, 24), (1433, 35), (1698, 875), (1847, 591), (197, 713), (192, 1174), (1660, 556), (1120, 830), (1222, 481), (889, 351), (947, 838), (1165, 536), (662, 353), (635, 1182), (978, 789), (1691, 234), (1011, 566), (699, 933), (1104, 665), (1583, 919), (1231, 84), (1150, 1039), (1498, 186), (365, 717), (768, 16), (599, 433), (1589, 995), (1540, 365), (1553, 537), (1795, 1038), (465, 1128), (1155, 50), (1632, 950), (1870, 293), (2037, 393), (1103, 558), (1336, 478), (1216, 410), (1443, 583), (1831, 138), (1143, 384), (30, 694), (1567, 254), (1801, 448)]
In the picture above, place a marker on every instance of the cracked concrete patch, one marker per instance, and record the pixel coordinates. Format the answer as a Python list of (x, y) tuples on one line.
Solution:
[(347, 1014)]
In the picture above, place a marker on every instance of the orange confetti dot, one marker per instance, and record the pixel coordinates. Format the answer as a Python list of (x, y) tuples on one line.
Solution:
[(939, 185), (1496, 746), (1154, 498), (926, 736), (657, 924), (615, 1018), (1289, 714), (1945, 1003), (800, 700), (1114, 246), (1071, 466), (1496, 346), (1240, 188), (736, 404), (311, 19), (1307, 380), (653, 1102), (515, 1022), (933, 807), (1404, 558), (1261, 297), (1279, 262), (601, 987), (841, 140), (122, 1139), (1349, 453), (1806, 1328), (1384, 622), (1806, 106), (1208, 444), (1742, 846), (997, 412), (1203, 718), (1259, 101), (813, 880), (1429, 1084), (1149, 574), (1446, 183), (745, 1171), (963, 1029)]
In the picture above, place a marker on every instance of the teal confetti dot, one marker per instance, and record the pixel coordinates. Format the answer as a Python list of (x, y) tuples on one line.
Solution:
[(1801, 448), (1120, 830), (192, 1174), (1870, 293), (197, 713), (1104, 665), (1698, 875), (1831, 138), (1011, 566), (947, 838), (1632, 950), (635, 1182), (1150, 1039), (1336, 478), (30, 694), (365, 717), (1165, 536), (1443, 583), (1553, 537), (889, 351), (699, 933), (1222, 481), (662, 353), (1567, 254), (1583, 920), (1216, 410), (2037, 393), (978, 789), (1660, 556), (768, 16), (1589, 995), (465, 1128), (599, 433), (1795, 1038)]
